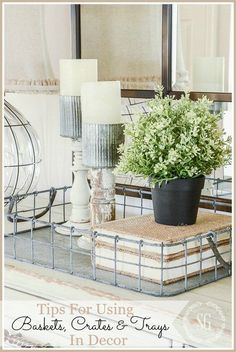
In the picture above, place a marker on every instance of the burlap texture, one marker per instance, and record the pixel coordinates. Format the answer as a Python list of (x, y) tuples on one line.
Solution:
[(144, 227)]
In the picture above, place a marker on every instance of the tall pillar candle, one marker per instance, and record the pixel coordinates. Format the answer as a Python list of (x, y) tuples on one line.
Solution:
[(102, 127), (102, 135), (73, 73)]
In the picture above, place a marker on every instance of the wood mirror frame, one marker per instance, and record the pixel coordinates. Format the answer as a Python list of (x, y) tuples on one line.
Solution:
[(220, 203)]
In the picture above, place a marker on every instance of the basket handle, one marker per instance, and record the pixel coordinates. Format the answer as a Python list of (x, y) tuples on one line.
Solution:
[(214, 249), (52, 197)]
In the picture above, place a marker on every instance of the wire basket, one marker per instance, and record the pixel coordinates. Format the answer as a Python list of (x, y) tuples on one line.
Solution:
[(31, 237)]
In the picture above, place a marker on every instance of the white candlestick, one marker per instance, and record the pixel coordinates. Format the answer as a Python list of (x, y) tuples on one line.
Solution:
[(73, 73), (101, 102)]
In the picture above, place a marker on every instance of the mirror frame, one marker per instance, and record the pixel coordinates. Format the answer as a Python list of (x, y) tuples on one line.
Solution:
[(222, 204), (166, 61)]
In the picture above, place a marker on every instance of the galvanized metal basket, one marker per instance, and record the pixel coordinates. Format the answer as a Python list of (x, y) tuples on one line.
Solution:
[(31, 237)]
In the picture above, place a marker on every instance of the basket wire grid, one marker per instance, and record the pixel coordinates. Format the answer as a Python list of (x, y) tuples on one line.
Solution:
[(38, 243), (33, 239)]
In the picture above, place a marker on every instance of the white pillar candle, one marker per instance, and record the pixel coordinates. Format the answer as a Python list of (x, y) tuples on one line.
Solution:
[(73, 73), (101, 102), (208, 74)]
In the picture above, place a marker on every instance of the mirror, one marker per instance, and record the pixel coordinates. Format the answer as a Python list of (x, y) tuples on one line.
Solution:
[(126, 40), (202, 46), (218, 184)]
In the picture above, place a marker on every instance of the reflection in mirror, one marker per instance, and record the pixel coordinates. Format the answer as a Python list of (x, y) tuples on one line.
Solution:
[(202, 47), (218, 184), (126, 40)]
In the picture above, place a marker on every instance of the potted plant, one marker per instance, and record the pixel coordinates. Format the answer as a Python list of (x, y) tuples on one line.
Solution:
[(175, 145)]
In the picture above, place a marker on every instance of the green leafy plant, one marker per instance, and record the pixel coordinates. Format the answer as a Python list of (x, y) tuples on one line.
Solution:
[(176, 139)]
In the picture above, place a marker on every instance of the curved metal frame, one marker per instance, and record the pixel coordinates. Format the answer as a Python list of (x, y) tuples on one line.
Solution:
[(12, 111)]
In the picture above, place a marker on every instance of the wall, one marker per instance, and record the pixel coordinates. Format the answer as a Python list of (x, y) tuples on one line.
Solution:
[(42, 111)]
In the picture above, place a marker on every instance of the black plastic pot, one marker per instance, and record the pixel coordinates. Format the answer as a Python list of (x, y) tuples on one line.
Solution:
[(176, 202)]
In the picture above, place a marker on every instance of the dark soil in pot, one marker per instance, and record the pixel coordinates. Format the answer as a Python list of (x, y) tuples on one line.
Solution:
[(176, 202)]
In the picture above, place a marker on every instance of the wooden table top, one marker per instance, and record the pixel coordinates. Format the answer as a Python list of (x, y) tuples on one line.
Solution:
[(26, 281)]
